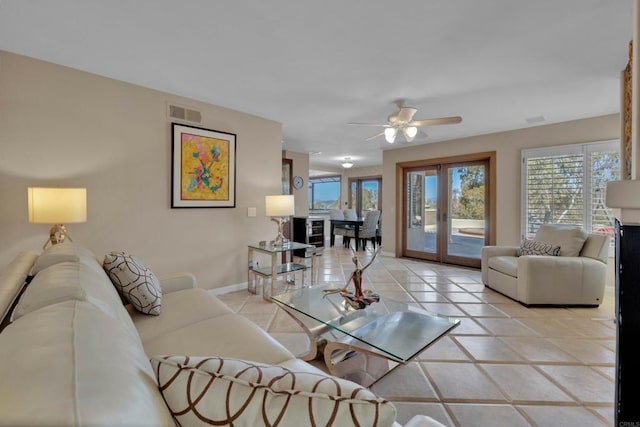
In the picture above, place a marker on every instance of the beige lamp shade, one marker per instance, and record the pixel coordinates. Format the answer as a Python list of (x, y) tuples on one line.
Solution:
[(57, 205), (280, 205)]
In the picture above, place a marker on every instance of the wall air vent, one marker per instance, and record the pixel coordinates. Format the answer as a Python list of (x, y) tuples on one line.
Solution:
[(183, 113)]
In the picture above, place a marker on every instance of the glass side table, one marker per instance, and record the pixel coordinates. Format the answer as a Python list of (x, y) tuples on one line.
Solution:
[(270, 273)]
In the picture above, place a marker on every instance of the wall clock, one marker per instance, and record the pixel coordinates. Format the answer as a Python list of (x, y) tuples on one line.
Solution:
[(298, 182)]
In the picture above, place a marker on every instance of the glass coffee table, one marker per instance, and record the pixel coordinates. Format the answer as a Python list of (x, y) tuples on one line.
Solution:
[(361, 345)]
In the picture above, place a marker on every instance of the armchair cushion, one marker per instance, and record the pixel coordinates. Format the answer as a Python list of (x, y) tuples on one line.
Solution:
[(505, 264), (217, 391), (570, 239)]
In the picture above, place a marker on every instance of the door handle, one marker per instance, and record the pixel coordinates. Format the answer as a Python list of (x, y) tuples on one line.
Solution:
[(444, 217)]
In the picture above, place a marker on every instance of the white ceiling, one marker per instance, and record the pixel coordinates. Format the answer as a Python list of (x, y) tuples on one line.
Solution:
[(315, 66)]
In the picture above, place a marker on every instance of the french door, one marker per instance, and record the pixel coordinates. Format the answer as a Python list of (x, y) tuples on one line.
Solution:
[(447, 210), (365, 194)]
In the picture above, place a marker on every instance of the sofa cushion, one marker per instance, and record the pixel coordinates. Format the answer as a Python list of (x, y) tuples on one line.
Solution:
[(569, 238), (180, 309), (76, 367), (534, 247), (504, 264), (135, 282), (218, 391), (230, 335), (65, 252)]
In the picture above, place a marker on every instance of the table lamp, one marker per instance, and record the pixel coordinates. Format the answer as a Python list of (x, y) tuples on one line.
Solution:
[(279, 208), (57, 206)]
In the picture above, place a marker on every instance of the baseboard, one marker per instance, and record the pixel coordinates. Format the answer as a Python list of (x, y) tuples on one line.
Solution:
[(228, 289)]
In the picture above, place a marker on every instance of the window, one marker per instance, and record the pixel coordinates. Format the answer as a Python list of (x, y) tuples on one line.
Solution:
[(324, 193), (566, 185)]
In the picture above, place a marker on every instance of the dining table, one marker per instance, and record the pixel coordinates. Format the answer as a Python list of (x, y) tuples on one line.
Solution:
[(352, 223)]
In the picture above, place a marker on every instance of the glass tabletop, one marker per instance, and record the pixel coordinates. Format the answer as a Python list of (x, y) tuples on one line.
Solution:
[(289, 246), (391, 328)]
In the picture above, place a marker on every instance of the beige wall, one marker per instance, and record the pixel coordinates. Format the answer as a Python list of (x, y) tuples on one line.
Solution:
[(508, 146), (63, 127)]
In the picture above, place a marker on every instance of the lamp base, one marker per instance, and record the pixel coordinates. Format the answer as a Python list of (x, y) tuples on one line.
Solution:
[(280, 239), (57, 234)]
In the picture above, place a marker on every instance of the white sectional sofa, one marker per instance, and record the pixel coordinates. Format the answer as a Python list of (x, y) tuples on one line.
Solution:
[(74, 354)]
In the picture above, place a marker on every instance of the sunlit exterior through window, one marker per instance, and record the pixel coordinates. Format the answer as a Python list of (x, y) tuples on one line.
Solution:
[(566, 185), (324, 193)]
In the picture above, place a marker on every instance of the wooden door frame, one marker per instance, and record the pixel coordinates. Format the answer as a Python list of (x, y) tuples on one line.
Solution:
[(401, 220)]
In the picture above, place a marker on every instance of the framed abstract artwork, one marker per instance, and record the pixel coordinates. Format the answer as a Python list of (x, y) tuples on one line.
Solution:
[(203, 168)]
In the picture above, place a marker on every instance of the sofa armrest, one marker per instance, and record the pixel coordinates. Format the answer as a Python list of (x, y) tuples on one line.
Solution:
[(177, 282), (490, 252), (561, 280)]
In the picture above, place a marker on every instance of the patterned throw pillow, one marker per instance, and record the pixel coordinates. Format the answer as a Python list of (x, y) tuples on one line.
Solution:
[(218, 391), (135, 282), (533, 247)]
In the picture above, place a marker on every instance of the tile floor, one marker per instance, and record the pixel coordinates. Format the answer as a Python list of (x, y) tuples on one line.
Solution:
[(504, 365)]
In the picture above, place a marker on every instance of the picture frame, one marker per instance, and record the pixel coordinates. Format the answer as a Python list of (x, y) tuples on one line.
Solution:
[(203, 165)]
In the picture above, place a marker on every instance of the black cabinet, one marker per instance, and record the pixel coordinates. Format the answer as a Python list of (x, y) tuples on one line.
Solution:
[(627, 409), (309, 230)]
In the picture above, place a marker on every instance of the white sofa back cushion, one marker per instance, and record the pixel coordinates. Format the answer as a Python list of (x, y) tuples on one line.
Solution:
[(213, 390), (570, 239), (65, 252), (76, 367), (73, 281)]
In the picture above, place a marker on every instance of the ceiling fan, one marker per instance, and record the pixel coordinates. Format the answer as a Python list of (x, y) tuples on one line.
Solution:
[(402, 122)]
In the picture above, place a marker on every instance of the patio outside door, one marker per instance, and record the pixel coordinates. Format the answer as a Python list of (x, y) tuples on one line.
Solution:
[(446, 213)]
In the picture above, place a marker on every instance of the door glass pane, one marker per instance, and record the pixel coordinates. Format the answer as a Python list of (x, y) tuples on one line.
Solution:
[(353, 203), (422, 202), (466, 222), (370, 193)]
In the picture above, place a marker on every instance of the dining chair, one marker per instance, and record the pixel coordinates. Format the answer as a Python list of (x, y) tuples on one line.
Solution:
[(336, 214), (339, 230), (368, 229)]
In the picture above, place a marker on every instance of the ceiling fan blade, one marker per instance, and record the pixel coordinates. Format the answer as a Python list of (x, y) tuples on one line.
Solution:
[(375, 136), (369, 124), (439, 121)]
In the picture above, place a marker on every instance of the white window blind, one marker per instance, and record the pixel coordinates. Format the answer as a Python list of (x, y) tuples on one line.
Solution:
[(566, 185)]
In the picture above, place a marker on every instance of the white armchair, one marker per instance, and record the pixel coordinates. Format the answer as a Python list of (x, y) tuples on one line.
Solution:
[(576, 277)]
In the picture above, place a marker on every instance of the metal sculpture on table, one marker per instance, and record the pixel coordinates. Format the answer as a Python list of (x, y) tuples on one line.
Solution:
[(359, 298)]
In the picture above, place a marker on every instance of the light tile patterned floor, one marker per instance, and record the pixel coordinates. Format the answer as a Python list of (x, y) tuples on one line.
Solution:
[(505, 365)]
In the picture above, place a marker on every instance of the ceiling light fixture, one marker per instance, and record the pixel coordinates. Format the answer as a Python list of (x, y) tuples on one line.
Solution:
[(410, 132), (390, 134), (347, 163)]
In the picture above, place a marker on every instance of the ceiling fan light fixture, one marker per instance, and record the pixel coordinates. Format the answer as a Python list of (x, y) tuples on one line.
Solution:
[(410, 132), (390, 134), (347, 163)]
